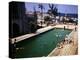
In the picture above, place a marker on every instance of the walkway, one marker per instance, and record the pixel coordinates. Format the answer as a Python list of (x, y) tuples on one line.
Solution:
[(68, 49), (20, 38)]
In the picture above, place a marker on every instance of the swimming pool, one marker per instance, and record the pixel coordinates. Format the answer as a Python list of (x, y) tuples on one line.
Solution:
[(40, 45)]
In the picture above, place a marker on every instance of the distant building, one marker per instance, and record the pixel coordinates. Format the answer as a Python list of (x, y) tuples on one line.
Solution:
[(19, 22)]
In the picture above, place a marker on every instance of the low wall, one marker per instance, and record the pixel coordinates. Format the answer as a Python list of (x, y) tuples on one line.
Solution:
[(39, 31)]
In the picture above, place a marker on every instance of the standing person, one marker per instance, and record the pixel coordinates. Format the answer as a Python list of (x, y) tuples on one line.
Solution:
[(75, 28), (66, 39), (64, 27), (15, 43)]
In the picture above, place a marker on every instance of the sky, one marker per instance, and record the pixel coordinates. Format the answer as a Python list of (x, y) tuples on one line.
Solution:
[(71, 9)]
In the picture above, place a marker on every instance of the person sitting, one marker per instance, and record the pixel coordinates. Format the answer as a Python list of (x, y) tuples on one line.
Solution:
[(60, 45)]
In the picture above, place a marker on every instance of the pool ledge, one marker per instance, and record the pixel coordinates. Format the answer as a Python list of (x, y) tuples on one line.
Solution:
[(56, 51), (39, 31)]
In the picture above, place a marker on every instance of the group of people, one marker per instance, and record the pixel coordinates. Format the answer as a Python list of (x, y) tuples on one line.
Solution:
[(65, 41)]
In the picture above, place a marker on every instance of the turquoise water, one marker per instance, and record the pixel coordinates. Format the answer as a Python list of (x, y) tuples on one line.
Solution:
[(40, 45)]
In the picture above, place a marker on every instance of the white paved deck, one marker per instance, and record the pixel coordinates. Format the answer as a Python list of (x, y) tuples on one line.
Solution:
[(20, 38), (68, 49)]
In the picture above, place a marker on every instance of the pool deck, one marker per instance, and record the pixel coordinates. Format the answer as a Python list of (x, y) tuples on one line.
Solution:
[(26, 36), (69, 48), (39, 31)]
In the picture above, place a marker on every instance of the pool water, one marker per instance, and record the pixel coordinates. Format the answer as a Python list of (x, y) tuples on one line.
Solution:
[(40, 45)]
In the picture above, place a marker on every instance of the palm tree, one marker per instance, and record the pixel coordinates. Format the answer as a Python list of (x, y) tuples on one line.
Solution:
[(35, 13), (53, 9), (41, 7), (51, 6)]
